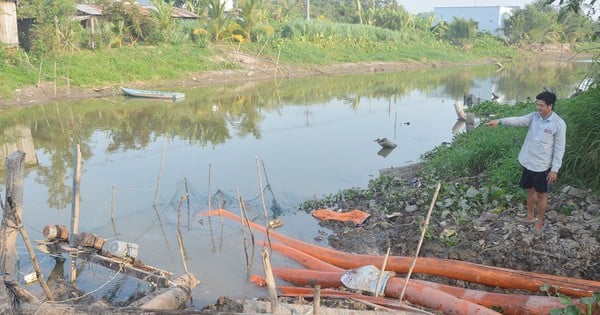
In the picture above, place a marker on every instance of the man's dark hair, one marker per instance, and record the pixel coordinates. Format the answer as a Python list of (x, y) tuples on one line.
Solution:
[(547, 97)]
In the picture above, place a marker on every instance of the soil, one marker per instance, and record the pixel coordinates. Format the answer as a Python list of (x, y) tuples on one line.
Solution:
[(250, 68), (569, 244)]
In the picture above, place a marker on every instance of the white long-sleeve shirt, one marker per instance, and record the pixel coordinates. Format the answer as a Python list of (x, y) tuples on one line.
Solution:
[(544, 145)]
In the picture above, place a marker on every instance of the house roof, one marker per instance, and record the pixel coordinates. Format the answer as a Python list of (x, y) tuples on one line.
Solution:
[(89, 9), (96, 10)]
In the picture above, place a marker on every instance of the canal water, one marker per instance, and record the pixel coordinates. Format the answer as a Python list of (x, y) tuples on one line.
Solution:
[(149, 168)]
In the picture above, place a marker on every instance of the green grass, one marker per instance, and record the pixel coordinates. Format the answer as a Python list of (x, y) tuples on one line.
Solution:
[(297, 42), (495, 150), (92, 68)]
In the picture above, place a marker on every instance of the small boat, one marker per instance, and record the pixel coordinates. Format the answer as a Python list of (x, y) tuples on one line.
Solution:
[(153, 94)]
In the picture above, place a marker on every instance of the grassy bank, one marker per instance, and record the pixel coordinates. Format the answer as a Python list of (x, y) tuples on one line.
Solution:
[(301, 43), (495, 150), (480, 170)]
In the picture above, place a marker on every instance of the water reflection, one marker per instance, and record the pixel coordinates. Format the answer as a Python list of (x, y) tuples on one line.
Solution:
[(315, 136)]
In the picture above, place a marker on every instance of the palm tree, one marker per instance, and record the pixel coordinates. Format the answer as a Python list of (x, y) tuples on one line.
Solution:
[(164, 18), (248, 17), (218, 19)]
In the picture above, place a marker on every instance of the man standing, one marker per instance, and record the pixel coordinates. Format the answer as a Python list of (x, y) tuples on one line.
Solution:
[(541, 155)]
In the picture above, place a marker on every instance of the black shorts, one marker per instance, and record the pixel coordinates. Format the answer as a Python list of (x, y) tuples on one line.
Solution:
[(537, 180)]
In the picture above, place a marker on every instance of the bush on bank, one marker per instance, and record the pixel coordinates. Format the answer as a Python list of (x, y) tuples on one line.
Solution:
[(495, 150), (295, 42)]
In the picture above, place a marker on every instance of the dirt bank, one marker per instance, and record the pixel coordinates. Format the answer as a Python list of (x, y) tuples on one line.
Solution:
[(249, 68)]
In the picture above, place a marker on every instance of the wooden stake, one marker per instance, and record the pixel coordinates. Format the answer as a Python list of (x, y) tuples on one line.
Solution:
[(270, 279), (54, 78), (262, 198), (112, 210), (425, 226), (8, 231), (75, 209), (187, 194), (317, 300), (11, 222), (40, 74), (179, 237), (34, 262), (385, 260), (246, 223), (162, 161), (212, 238)]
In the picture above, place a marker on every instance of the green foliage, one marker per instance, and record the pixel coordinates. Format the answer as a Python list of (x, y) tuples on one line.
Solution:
[(167, 31), (591, 304), (462, 32), (128, 23), (485, 43), (539, 23), (248, 17), (218, 20), (482, 149), (53, 28), (319, 42), (495, 150), (581, 161)]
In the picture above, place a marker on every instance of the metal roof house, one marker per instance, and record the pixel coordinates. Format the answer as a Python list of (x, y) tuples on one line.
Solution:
[(490, 18), (90, 15)]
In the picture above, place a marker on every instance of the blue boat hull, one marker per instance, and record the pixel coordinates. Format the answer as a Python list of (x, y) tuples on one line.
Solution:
[(153, 94)]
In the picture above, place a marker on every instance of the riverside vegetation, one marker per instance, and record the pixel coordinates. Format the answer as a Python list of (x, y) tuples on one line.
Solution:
[(475, 217)]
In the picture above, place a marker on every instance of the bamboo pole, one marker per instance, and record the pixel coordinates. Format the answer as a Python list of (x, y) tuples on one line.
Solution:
[(385, 260), (425, 226), (75, 209), (246, 224), (11, 223), (262, 198), (179, 237), (187, 194), (275, 207), (54, 78), (112, 210), (270, 280), (162, 162), (212, 238), (34, 262), (317, 300)]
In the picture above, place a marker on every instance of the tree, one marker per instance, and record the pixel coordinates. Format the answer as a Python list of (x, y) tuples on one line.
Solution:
[(128, 22), (581, 7), (218, 19), (53, 27), (462, 31), (247, 19), (536, 23), (164, 18)]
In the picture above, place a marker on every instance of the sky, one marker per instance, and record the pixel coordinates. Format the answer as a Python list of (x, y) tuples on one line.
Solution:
[(420, 6)]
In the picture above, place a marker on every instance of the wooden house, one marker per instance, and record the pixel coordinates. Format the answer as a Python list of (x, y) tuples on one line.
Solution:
[(8, 23)]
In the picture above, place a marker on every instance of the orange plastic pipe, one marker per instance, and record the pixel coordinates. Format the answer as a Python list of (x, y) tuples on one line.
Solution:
[(509, 303), (416, 293), (310, 292), (456, 269)]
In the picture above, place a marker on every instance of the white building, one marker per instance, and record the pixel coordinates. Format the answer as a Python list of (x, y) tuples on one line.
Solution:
[(490, 18)]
